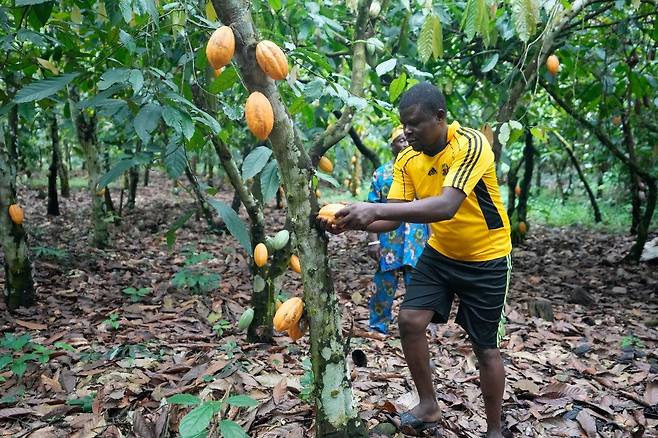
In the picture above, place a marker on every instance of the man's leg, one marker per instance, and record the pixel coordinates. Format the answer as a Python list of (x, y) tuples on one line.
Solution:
[(386, 283), (413, 323), (492, 384)]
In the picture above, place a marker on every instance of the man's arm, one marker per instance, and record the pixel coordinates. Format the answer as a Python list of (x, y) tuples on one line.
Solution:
[(386, 217)]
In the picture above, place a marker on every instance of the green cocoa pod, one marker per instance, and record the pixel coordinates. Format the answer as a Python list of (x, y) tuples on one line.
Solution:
[(246, 318), (280, 240)]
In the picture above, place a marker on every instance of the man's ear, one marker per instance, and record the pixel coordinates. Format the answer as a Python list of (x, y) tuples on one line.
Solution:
[(440, 115)]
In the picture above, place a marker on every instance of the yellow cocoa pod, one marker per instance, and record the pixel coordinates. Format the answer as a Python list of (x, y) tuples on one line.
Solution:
[(295, 265), (295, 332), (221, 47), (260, 255), (288, 314), (326, 165), (329, 211), (16, 214), (553, 64), (272, 60), (259, 114)]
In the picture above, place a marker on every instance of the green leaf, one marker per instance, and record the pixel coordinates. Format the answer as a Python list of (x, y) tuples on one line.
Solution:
[(386, 66), (126, 10), (112, 76), (241, 401), (5, 360), (43, 88), (136, 79), (255, 161), (236, 226), (525, 14), (175, 159), (275, 4), (127, 41), (270, 181), (224, 81), (437, 37), (231, 429), (198, 419), (397, 87), (171, 232), (425, 43), (475, 19), (328, 178), (30, 2), (150, 7), (184, 399), (490, 64), (146, 120), (115, 172)]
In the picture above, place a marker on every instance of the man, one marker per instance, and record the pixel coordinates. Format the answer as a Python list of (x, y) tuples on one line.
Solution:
[(446, 178), (395, 252)]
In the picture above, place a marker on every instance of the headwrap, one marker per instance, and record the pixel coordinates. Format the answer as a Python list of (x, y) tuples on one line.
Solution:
[(396, 133)]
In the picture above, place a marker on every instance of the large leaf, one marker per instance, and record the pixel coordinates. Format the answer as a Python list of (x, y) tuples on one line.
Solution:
[(386, 66), (146, 120), (491, 63), (236, 226), (476, 19), (328, 178), (43, 88), (30, 2), (225, 80), (255, 162), (231, 429), (525, 14), (241, 401), (171, 232), (112, 76), (184, 399), (269, 181), (116, 171), (198, 419), (425, 43), (397, 87), (175, 159), (437, 37)]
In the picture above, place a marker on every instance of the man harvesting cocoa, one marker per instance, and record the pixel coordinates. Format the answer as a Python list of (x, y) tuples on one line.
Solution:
[(446, 178)]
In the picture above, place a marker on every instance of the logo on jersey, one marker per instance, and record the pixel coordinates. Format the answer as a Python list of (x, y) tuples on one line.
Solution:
[(444, 169), (431, 172)]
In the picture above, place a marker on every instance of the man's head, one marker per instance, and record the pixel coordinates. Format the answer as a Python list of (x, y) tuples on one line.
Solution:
[(398, 140), (423, 114)]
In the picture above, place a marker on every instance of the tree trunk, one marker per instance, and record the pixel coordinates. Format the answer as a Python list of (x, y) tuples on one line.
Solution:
[(355, 180), (335, 414), (526, 182), (147, 170), (634, 183), (53, 203), (62, 169), (133, 180), (581, 176), (512, 181), (643, 227), (538, 175), (85, 126), (19, 286)]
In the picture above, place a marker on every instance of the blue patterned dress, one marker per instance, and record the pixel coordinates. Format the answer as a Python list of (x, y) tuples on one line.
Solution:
[(399, 249)]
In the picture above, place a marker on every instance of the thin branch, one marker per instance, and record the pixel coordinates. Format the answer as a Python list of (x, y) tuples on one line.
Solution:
[(598, 132)]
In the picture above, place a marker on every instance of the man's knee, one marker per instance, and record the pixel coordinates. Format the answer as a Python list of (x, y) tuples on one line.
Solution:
[(487, 356), (413, 321)]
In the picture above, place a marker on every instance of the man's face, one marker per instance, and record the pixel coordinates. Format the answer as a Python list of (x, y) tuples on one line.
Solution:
[(423, 130), (399, 143)]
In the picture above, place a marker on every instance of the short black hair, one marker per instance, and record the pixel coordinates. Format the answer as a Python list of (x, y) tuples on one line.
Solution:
[(425, 95)]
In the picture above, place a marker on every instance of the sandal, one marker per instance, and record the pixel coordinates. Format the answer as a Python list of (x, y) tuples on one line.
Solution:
[(412, 425)]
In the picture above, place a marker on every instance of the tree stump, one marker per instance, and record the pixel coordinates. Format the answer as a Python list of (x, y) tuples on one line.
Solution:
[(542, 308)]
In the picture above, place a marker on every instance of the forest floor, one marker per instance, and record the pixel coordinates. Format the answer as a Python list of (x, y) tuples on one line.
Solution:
[(88, 361)]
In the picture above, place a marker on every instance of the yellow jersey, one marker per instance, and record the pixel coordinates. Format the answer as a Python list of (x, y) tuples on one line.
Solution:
[(480, 230)]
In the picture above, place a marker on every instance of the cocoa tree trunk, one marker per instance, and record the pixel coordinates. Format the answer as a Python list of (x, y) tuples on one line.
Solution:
[(581, 176), (85, 126), (133, 180), (335, 413), (636, 203), (643, 226), (147, 170), (19, 286), (200, 197), (62, 169), (53, 203)]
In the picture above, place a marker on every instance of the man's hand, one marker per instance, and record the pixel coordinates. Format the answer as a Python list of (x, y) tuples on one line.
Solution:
[(329, 226), (356, 216)]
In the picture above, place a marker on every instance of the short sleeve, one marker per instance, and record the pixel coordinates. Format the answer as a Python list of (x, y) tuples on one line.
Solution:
[(375, 194), (402, 187), (472, 160)]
